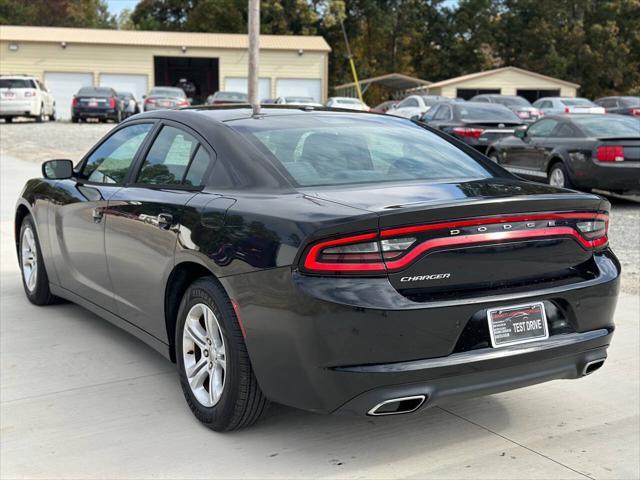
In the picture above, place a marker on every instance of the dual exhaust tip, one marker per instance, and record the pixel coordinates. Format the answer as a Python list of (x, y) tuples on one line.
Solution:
[(402, 405)]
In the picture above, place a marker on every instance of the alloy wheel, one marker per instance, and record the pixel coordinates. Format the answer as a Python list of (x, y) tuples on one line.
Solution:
[(29, 256), (557, 178), (204, 355)]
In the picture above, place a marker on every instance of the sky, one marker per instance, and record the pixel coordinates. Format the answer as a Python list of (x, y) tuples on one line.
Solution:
[(116, 6)]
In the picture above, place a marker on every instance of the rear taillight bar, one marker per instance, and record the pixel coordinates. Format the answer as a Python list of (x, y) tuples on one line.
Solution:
[(468, 132), (394, 249), (609, 153)]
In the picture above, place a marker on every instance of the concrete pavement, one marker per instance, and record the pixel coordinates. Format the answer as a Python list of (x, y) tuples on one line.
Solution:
[(82, 399)]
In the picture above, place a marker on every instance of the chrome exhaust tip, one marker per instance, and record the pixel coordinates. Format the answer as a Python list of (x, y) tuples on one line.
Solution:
[(592, 366), (398, 406)]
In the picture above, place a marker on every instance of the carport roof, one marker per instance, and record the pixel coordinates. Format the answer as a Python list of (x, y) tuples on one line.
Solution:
[(486, 73), (159, 39), (396, 81)]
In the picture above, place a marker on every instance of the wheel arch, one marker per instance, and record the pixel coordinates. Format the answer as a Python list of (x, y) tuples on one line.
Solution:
[(182, 275), (21, 212), (553, 160)]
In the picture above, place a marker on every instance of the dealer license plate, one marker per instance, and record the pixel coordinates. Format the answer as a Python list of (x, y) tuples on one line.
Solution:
[(517, 324)]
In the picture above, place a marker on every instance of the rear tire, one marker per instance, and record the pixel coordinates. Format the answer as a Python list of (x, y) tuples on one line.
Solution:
[(41, 117), (34, 275), (8, 119), (208, 336), (558, 176), (493, 156)]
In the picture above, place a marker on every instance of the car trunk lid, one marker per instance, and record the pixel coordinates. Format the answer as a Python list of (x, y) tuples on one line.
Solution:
[(451, 238)]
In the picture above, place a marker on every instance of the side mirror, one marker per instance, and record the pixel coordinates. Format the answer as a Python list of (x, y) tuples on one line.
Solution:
[(144, 96), (415, 118), (521, 132), (57, 169)]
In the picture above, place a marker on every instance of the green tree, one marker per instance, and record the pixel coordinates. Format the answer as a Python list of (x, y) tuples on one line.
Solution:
[(57, 13)]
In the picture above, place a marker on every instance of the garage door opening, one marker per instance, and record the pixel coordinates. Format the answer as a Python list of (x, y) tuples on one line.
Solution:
[(198, 77), (533, 95), (468, 93)]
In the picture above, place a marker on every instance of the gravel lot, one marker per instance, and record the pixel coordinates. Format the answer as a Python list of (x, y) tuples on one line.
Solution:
[(39, 142)]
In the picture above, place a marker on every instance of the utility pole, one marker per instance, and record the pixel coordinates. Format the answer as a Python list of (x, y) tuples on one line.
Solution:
[(351, 62), (254, 54)]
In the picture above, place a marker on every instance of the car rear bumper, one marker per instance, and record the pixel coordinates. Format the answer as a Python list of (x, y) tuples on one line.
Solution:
[(624, 176), (95, 113), (345, 344), (17, 108)]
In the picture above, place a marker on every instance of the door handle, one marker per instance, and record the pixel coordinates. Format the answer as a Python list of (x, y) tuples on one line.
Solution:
[(165, 220), (97, 214)]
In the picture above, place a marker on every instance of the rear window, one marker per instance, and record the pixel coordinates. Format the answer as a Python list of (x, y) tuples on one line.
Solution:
[(167, 92), (95, 92), (16, 83), (233, 96), (482, 113), (630, 101), (516, 101), (349, 101), (609, 126), (577, 101), (343, 149)]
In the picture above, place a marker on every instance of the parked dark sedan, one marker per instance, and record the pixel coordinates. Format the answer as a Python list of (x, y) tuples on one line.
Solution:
[(620, 105), (331, 261), (584, 151), (476, 124), (100, 103), (518, 105)]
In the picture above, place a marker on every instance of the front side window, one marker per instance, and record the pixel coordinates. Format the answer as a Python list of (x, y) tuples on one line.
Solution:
[(345, 149), (111, 161), (543, 128)]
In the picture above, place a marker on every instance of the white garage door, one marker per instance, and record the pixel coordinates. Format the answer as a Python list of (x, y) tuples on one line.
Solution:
[(293, 87), (63, 86), (136, 84), (240, 84)]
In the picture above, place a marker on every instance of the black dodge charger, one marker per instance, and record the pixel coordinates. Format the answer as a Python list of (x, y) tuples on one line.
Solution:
[(334, 261)]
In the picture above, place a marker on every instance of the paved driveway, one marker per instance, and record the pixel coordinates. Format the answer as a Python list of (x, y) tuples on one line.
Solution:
[(82, 399)]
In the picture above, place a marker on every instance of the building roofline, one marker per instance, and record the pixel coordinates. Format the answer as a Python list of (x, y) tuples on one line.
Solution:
[(485, 73), (145, 38)]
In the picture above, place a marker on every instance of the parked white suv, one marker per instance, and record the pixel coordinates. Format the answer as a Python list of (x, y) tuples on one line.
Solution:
[(25, 96)]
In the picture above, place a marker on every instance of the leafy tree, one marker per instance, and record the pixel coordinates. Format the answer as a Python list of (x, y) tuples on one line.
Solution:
[(56, 13)]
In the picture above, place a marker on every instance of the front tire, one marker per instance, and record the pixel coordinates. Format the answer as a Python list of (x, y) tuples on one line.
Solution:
[(214, 367), (34, 275), (493, 156), (558, 176)]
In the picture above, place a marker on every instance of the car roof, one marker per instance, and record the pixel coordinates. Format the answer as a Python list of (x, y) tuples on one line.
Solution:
[(16, 77)]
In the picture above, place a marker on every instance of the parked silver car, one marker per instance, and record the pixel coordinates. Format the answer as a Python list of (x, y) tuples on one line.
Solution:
[(347, 102), (160, 98), (416, 105), (518, 105), (566, 105)]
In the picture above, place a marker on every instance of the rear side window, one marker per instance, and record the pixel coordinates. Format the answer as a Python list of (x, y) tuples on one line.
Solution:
[(611, 126), (346, 149), (543, 128), (111, 161), (173, 153)]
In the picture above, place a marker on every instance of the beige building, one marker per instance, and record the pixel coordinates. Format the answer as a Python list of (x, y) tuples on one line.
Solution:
[(505, 81), (66, 59)]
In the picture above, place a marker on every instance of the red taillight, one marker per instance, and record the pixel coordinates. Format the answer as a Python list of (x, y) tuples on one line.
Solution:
[(610, 154), (567, 110), (112, 102), (150, 101), (396, 248), (468, 132), (635, 112), (183, 103), (74, 102), (29, 93)]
